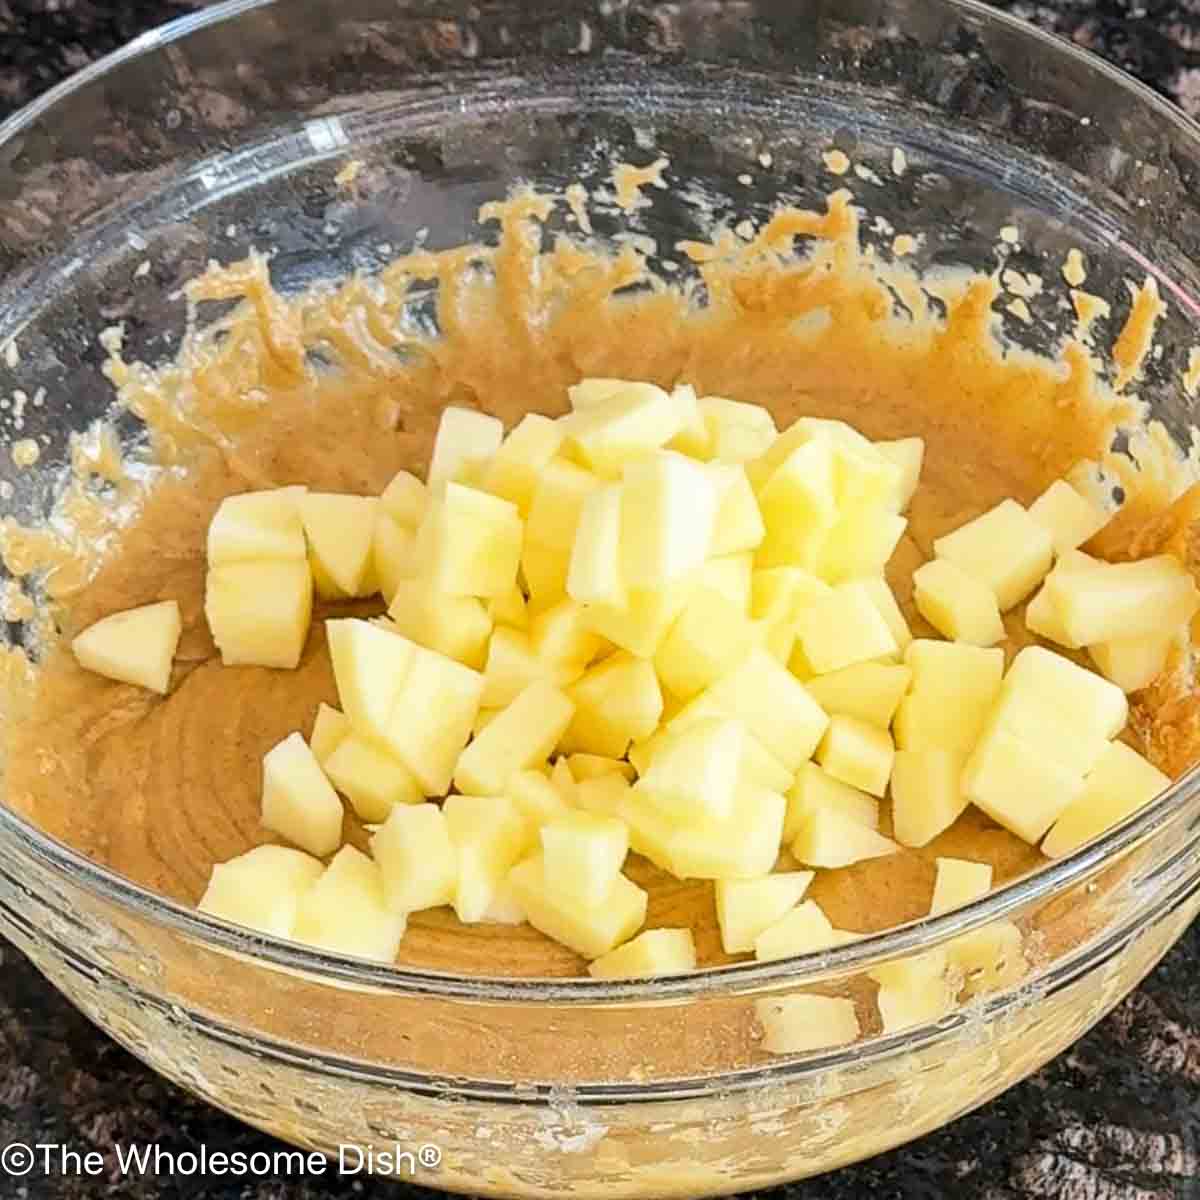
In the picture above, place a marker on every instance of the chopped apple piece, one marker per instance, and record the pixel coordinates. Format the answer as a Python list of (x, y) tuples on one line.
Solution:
[(457, 626), (1136, 662), (513, 664), (842, 629), (329, 729), (417, 859), (135, 646), (1121, 782), (668, 508), (803, 930), (544, 571), (827, 838), (582, 855), (616, 701), (640, 625), (860, 544), (868, 691), (509, 608), (469, 543), (695, 771), (884, 600), (537, 799), (505, 908), (708, 639), (739, 525), (1041, 617), (517, 466), (927, 794), (340, 531), (1005, 548), (729, 575), (590, 932), (393, 554), (652, 953), (369, 665), (561, 636), (259, 612), (781, 594), (953, 689), (557, 505), (745, 907), (737, 432), (906, 455), (261, 889), (989, 959), (956, 604), (587, 393), (594, 575), (371, 779), (404, 500), (596, 766), (799, 507), (816, 788), (257, 526), (857, 753), (693, 438), (624, 426), (801, 1023), (914, 990), (345, 912), (522, 735), (489, 835), (298, 802), (959, 882), (465, 439), (759, 765), (603, 795), (1069, 517)]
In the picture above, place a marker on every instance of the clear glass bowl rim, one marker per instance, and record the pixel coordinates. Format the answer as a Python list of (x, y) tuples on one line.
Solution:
[(860, 955)]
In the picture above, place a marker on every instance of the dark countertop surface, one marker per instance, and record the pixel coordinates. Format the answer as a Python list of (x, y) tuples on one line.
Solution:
[(1117, 1117)]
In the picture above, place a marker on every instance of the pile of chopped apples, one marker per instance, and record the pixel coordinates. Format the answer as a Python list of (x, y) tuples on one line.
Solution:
[(658, 625)]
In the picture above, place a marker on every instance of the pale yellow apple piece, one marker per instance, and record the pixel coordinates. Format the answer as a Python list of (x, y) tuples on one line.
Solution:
[(738, 526), (1069, 517), (370, 778), (616, 701), (345, 912), (417, 859), (914, 990), (695, 772), (544, 572), (956, 604), (489, 835), (1005, 548), (802, 1023), (512, 665), (135, 646), (516, 467), (857, 753), (654, 952), (255, 526), (259, 612), (798, 503), (745, 907), (456, 626), (843, 628), (709, 639), (505, 908), (509, 608), (1041, 617), (640, 625), (404, 500), (469, 543), (780, 594), (582, 855), (369, 666), (562, 637), (927, 794), (604, 795), (953, 689), (1136, 662), (804, 929), (596, 766), (693, 438), (537, 799), (860, 543), (340, 532), (837, 435), (737, 431), (261, 889), (989, 959), (594, 575), (827, 838), (868, 691), (594, 390), (907, 455), (330, 727), (465, 439), (589, 931), (730, 575), (884, 599), (668, 509), (393, 554), (959, 882), (815, 788), (557, 505), (1120, 783), (622, 427), (298, 801)]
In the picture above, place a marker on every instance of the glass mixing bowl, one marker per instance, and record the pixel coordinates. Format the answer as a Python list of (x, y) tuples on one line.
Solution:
[(225, 131)]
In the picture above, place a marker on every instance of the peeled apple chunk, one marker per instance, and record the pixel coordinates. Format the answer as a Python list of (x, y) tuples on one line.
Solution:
[(456, 626), (956, 604), (371, 779), (914, 990), (298, 801), (536, 798), (369, 665), (617, 701), (695, 772), (816, 788), (653, 952), (1120, 783), (516, 466), (340, 531), (953, 689), (958, 883), (393, 554), (582, 855), (668, 509), (590, 931), (868, 691), (557, 505), (802, 930), (330, 728), (907, 456), (259, 612), (1005, 548), (261, 889), (1068, 516), (404, 500), (858, 754), (135, 646), (745, 907), (843, 628), (417, 858), (639, 625), (490, 835), (737, 431), (738, 526), (257, 526), (345, 911), (708, 639), (884, 599), (465, 438), (802, 1023), (1133, 663), (927, 794), (469, 543), (595, 575), (627, 424), (826, 838), (798, 503)]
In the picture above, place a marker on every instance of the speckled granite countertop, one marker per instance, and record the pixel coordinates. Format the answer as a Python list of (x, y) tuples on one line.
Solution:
[(1115, 1118)]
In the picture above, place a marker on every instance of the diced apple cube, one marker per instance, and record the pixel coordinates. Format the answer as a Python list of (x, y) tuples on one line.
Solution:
[(989, 959), (868, 691), (668, 507), (1121, 782), (860, 543), (953, 689), (544, 572), (537, 799), (345, 912), (298, 802), (522, 735), (693, 438), (707, 641), (652, 953), (393, 554), (465, 439), (371, 779), (1069, 517), (417, 859), (802, 1023), (959, 882), (805, 430), (696, 770), (956, 604), (589, 931), (622, 427), (557, 504), (489, 835), (505, 908), (884, 600), (927, 794), (1133, 663), (843, 628), (404, 500), (737, 432), (587, 393), (781, 594), (457, 626), (369, 665), (730, 575), (340, 532), (256, 526), (330, 727), (604, 795), (857, 753), (640, 625), (616, 701), (816, 788), (1124, 600), (914, 990), (798, 503), (582, 855), (135, 646), (827, 838), (261, 889), (739, 525), (1005, 548), (803, 930), (745, 907), (594, 575), (469, 543), (560, 636), (512, 665), (516, 467), (509, 608), (259, 612), (906, 455), (1041, 617), (596, 766)]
